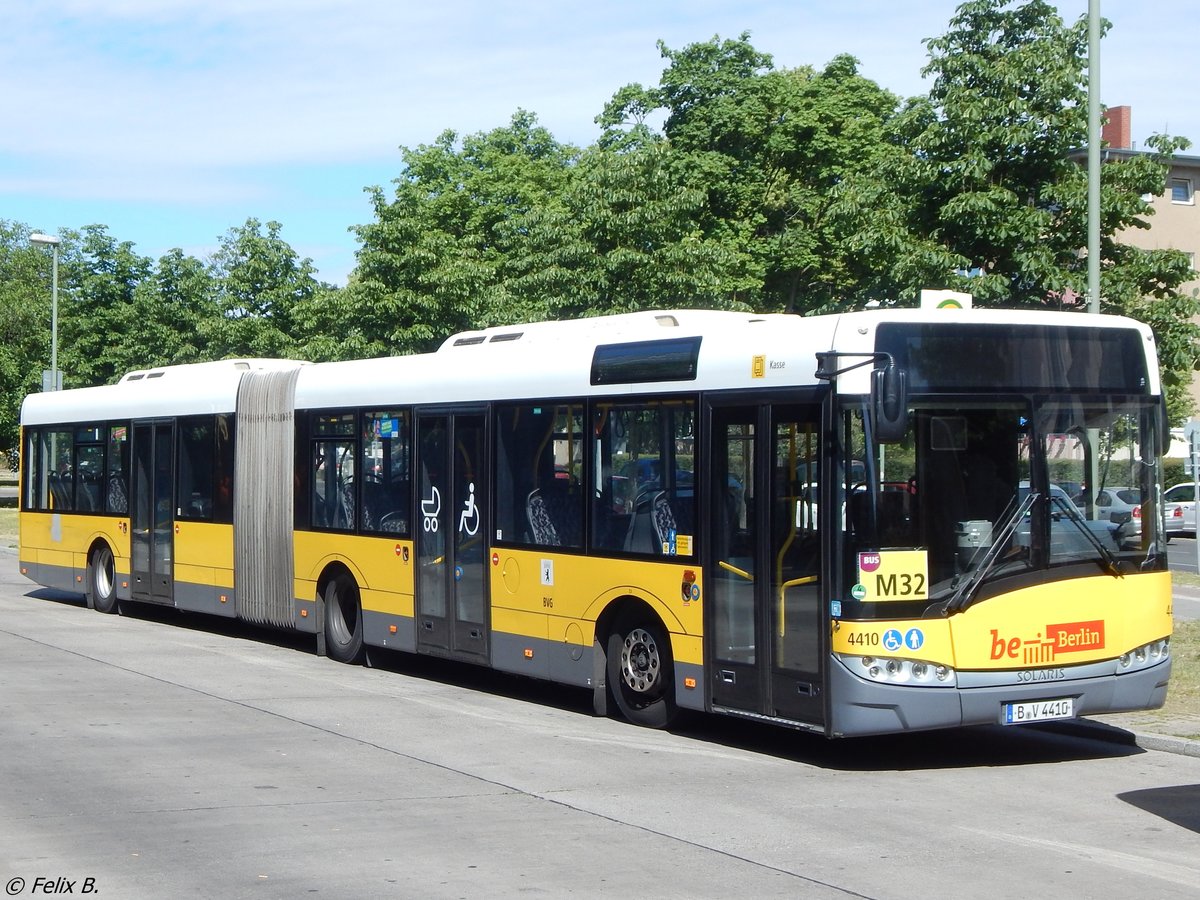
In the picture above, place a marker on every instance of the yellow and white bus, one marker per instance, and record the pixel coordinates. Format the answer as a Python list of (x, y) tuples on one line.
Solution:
[(853, 524)]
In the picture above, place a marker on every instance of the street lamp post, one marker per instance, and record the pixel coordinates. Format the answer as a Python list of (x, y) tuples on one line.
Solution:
[(55, 382)]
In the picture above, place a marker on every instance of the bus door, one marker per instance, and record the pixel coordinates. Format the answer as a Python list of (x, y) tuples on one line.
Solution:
[(152, 519), (763, 570), (452, 570)]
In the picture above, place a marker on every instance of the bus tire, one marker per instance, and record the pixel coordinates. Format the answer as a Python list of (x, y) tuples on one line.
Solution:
[(102, 579), (343, 620), (641, 673)]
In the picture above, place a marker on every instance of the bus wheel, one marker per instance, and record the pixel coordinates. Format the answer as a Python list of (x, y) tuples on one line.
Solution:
[(640, 672), (343, 620), (102, 580)]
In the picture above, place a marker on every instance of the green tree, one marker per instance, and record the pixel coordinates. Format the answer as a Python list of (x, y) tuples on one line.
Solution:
[(431, 263), (772, 147), (625, 235), (173, 316), (24, 324), (259, 283), (99, 277)]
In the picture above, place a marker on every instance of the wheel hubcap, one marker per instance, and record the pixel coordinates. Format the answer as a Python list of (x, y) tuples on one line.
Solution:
[(104, 573), (640, 660)]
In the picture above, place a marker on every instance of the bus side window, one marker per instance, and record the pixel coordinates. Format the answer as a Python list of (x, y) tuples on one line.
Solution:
[(334, 499), (57, 447), (385, 476), (195, 467), (539, 455), (117, 470)]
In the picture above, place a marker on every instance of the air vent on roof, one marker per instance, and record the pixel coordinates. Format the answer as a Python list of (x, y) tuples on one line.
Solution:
[(469, 341), (155, 375), (667, 321), (512, 336), (137, 377)]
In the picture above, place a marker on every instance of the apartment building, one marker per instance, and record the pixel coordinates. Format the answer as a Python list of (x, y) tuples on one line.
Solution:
[(1175, 224)]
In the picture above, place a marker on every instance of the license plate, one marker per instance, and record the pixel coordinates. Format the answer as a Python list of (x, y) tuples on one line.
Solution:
[(1037, 711)]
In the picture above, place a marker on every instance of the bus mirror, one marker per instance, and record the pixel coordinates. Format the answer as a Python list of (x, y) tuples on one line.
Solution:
[(889, 403)]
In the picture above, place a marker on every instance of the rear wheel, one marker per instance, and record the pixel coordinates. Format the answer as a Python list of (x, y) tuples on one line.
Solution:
[(343, 620), (102, 580), (641, 673)]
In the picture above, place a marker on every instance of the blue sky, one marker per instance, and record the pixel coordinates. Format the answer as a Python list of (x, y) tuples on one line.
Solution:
[(171, 121)]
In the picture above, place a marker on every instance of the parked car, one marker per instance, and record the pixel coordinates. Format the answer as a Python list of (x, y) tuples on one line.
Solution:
[(1066, 518), (1123, 507), (1174, 520), (1183, 495)]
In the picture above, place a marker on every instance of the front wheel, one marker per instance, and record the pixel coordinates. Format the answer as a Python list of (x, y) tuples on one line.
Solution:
[(102, 580), (343, 620), (641, 673)]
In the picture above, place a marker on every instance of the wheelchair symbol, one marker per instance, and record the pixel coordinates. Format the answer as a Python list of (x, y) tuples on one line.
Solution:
[(471, 513)]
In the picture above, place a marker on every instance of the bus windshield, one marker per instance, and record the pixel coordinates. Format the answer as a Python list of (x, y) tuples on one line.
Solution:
[(1036, 487)]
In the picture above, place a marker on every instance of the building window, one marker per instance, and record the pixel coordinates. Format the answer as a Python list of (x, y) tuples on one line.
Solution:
[(1181, 191)]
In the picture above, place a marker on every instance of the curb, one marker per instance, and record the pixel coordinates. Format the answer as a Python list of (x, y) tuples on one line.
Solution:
[(1113, 734)]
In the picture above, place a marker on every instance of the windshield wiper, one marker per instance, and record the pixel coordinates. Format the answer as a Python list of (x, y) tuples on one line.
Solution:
[(1073, 516), (966, 591)]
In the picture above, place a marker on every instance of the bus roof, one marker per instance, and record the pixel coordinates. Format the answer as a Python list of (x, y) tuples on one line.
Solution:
[(736, 350), (192, 389)]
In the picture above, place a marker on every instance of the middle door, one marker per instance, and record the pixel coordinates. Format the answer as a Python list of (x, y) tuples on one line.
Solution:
[(452, 571)]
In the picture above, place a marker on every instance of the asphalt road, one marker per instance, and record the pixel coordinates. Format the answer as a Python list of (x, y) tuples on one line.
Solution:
[(1182, 554), (164, 756)]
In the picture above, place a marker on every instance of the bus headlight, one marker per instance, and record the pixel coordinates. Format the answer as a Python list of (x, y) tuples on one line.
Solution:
[(895, 670), (1145, 656)]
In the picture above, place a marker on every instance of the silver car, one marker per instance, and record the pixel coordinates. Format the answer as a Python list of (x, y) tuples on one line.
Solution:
[(1182, 496)]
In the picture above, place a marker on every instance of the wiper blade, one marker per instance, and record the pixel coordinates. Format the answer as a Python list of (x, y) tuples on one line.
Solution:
[(966, 591), (1073, 516)]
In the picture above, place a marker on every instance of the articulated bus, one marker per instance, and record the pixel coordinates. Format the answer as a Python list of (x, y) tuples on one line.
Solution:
[(854, 524)]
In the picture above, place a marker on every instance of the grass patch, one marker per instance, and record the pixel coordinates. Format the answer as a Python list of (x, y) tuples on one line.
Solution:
[(1183, 696), (1185, 579), (8, 527)]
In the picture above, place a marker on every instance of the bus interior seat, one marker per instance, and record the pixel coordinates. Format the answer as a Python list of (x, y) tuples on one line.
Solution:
[(541, 526), (118, 500), (89, 492), (652, 523), (346, 506), (60, 490), (557, 507)]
